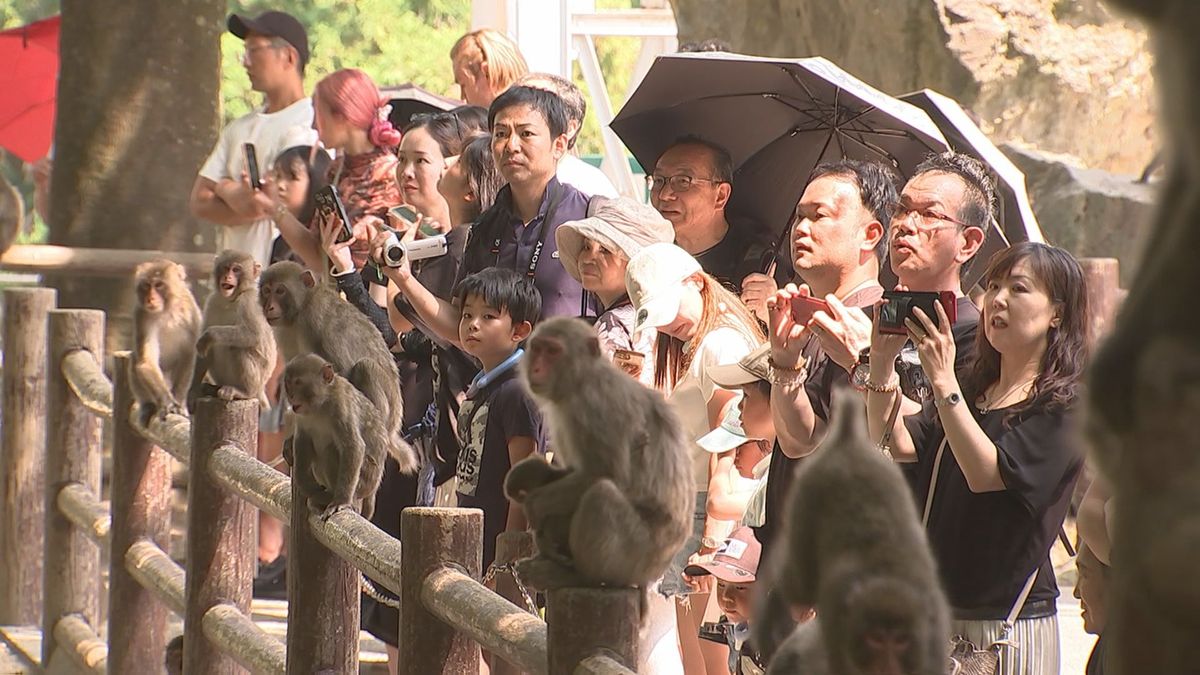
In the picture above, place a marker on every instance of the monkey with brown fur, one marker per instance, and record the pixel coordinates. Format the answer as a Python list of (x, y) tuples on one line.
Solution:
[(622, 506), (339, 454), (166, 323), (236, 348), (310, 318), (855, 549)]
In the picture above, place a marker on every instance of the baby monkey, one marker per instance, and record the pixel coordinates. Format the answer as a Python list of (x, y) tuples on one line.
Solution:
[(166, 322), (340, 440), (237, 348)]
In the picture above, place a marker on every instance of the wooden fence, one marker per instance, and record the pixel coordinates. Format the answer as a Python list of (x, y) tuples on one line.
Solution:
[(57, 398)]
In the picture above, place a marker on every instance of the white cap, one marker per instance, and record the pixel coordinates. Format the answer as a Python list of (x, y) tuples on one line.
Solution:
[(729, 436), (652, 280)]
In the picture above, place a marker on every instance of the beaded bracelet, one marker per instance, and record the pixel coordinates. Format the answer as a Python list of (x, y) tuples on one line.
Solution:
[(885, 388)]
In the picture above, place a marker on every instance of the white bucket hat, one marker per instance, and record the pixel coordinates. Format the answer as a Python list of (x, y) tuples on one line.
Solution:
[(620, 224), (652, 280)]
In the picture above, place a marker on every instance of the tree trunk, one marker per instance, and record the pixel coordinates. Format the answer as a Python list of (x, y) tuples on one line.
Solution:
[(137, 115)]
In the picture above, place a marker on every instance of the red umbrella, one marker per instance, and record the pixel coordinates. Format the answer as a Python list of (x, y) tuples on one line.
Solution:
[(28, 79)]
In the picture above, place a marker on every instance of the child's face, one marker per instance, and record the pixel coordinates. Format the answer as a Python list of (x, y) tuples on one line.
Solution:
[(747, 456), (755, 408), (293, 192), (736, 600), (488, 333)]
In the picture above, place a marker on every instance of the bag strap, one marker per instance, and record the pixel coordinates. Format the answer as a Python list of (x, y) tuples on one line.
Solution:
[(1013, 613), (885, 441)]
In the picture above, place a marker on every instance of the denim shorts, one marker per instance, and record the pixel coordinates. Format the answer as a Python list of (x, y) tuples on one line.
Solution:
[(672, 581)]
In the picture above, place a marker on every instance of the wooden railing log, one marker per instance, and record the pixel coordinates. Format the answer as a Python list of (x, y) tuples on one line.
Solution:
[(79, 643), (231, 630), (86, 512), (155, 570)]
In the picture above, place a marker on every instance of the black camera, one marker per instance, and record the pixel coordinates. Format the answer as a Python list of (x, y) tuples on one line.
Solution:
[(898, 306)]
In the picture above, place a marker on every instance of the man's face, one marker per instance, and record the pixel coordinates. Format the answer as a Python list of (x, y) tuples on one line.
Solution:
[(830, 226), (266, 60), (1092, 591), (703, 204), (473, 85), (920, 243), (524, 148)]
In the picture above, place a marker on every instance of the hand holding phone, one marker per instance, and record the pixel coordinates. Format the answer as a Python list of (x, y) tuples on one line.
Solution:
[(898, 307), (252, 166), (805, 306), (329, 205)]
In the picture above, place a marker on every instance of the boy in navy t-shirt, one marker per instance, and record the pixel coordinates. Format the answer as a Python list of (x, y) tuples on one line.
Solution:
[(498, 423)]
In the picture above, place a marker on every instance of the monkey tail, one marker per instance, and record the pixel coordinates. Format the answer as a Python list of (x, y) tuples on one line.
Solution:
[(403, 453)]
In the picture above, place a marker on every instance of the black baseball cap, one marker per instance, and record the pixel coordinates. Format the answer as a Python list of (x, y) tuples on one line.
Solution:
[(275, 24)]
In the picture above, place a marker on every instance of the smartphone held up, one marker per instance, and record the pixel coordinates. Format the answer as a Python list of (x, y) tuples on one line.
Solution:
[(898, 307), (252, 166), (329, 205)]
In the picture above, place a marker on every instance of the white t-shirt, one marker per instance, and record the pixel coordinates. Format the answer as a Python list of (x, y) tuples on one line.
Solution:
[(271, 134), (695, 389), (584, 177)]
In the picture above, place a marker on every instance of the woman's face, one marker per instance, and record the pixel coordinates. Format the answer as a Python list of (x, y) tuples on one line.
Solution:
[(691, 310), (293, 192), (601, 270), (1018, 313), (421, 166), (453, 185)]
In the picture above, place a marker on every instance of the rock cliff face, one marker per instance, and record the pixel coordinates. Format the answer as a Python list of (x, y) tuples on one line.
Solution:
[(1066, 76)]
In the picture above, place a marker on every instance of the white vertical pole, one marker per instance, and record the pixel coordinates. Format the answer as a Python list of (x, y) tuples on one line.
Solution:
[(615, 165)]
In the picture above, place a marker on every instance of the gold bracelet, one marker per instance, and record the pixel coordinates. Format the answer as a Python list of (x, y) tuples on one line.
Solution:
[(886, 388), (799, 367)]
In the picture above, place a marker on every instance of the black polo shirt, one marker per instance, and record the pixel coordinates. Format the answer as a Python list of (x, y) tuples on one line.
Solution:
[(501, 239)]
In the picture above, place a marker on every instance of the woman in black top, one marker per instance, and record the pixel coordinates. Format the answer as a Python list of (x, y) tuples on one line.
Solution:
[(997, 452)]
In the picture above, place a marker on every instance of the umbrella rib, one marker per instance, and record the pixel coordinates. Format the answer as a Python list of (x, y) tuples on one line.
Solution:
[(870, 146)]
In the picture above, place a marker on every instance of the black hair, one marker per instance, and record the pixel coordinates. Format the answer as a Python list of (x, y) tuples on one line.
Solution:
[(979, 203), (473, 118), (505, 290), (479, 164), (290, 161), (721, 160), (876, 183), (444, 128), (545, 102), (709, 45), (572, 98)]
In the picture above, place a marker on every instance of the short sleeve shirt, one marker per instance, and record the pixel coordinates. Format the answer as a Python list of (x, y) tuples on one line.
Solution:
[(501, 239), (695, 389), (986, 544), (733, 258), (271, 134), (615, 329), (499, 412)]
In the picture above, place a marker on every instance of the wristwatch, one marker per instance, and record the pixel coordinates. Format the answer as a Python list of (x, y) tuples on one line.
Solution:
[(949, 401), (861, 370)]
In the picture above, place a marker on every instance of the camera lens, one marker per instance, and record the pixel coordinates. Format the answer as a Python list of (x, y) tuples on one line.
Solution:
[(393, 251)]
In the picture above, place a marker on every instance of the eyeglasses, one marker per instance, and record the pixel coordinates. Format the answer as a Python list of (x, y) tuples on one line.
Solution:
[(679, 183), (251, 50), (928, 220)]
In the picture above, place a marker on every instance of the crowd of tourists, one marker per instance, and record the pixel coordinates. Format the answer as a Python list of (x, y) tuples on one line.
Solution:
[(976, 401)]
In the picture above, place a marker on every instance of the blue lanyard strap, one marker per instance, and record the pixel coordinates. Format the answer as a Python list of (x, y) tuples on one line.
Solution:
[(483, 379)]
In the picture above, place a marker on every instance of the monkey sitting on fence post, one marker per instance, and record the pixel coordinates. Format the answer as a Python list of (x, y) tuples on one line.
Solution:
[(620, 506), (166, 322), (342, 437), (236, 349), (855, 549)]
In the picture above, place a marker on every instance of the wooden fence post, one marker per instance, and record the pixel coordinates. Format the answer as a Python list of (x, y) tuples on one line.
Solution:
[(141, 510), (220, 531), (583, 621), (510, 547), (73, 449), (324, 601), (22, 465), (1103, 279), (434, 538)]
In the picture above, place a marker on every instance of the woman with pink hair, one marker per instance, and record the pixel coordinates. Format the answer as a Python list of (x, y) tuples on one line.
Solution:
[(350, 116)]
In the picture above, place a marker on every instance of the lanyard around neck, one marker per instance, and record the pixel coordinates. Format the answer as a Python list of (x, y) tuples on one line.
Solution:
[(483, 379)]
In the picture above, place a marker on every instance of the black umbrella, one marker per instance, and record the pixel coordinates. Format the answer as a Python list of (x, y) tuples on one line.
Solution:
[(408, 100), (1015, 219), (778, 118)]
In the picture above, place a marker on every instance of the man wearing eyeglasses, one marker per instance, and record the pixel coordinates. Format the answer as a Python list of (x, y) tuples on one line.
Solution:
[(690, 186), (276, 51)]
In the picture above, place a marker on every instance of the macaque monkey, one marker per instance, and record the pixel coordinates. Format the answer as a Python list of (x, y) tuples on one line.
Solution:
[(855, 549), (309, 318), (621, 506), (166, 323), (339, 452), (237, 348)]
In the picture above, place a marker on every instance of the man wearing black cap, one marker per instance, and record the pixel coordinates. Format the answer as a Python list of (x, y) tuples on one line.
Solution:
[(275, 55)]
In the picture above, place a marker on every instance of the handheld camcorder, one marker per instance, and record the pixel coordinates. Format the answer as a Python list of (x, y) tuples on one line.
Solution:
[(395, 251), (898, 306)]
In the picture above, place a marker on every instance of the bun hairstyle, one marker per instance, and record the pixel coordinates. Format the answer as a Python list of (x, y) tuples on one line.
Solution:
[(352, 94)]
